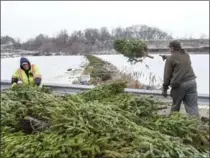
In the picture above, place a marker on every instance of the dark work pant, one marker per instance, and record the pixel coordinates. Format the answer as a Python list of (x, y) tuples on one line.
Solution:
[(186, 92)]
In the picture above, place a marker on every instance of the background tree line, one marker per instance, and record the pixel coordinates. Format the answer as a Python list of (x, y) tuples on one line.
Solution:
[(85, 41)]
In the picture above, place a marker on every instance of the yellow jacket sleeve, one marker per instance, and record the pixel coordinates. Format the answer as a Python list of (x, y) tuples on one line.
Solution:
[(13, 85), (37, 73), (15, 78), (16, 75)]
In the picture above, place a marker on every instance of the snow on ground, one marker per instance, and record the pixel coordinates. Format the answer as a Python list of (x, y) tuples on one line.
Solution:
[(200, 65), (53, 68)]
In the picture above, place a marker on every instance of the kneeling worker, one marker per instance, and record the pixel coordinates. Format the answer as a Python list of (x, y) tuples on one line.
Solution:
[(28, 74)]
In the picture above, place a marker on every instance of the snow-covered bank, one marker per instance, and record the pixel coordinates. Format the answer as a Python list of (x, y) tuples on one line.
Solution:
[(200, 65), (53, 68)]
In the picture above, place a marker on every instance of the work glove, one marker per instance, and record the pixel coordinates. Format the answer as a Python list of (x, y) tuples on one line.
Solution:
[(38, 81), (14, 82), (164, 93), (13, 85), (164, 57)]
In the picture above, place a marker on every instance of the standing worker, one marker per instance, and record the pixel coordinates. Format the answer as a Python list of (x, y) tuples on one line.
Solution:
[(28, 74), (179, 74)]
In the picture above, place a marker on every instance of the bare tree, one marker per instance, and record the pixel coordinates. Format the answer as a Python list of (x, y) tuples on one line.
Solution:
[(91, 35), (62, 38), (88, 40), (147, 33), (46, 47), (7, 40), (105, 35)]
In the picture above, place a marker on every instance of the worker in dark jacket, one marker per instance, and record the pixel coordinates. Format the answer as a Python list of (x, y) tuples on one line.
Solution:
[(179, 75), (28, 74)]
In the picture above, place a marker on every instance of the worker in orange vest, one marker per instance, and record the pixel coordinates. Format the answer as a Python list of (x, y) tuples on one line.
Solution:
[(28, 74)]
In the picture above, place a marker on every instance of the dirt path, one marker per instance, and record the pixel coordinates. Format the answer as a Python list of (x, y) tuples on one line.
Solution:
[(101, 72)]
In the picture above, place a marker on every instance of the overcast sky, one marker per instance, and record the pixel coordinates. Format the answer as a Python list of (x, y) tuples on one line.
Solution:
[(26, 19)]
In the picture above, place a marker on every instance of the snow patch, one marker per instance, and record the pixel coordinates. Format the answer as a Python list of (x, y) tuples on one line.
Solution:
[(53, 68)]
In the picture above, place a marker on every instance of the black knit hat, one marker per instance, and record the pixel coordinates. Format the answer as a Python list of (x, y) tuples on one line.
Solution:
[(175, 44)]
